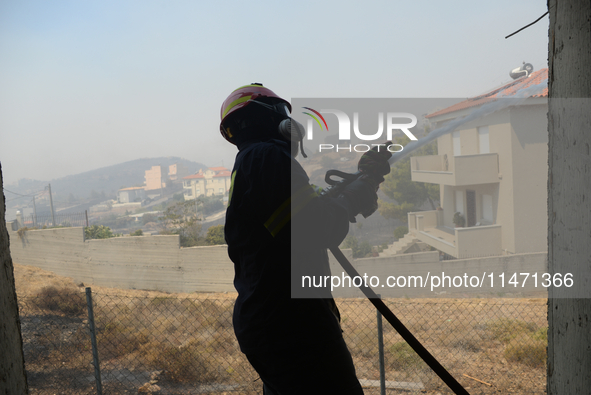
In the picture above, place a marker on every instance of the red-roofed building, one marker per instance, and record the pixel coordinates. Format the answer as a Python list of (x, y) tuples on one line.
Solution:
[(213, 181), (493, 172)]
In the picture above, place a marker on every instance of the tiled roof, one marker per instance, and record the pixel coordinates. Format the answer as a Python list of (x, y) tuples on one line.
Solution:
[(506, 90), (216, 169), (224, 173), (193, 176)]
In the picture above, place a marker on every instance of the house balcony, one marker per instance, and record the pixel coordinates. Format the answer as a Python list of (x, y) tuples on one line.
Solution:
[(455, 170), (475, 241)]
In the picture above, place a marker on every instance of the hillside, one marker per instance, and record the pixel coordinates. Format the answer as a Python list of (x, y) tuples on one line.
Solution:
[(105, 179)]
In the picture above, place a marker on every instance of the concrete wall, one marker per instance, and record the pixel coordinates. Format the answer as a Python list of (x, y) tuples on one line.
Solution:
[(478, 240), (424, 263), (529, 150), (144, 262), (157, 263)]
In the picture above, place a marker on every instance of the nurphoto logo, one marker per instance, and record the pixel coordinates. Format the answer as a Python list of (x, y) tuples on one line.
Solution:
[(393, 121)]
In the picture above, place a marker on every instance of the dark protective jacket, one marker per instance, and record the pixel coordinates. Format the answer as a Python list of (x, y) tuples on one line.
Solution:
[(278, 229)]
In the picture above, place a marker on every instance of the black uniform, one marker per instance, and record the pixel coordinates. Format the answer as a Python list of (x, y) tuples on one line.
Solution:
[(277, 229)]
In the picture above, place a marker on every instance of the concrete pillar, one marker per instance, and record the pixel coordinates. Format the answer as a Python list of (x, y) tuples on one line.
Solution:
[(569, 194), (12, 365), (19, 219)]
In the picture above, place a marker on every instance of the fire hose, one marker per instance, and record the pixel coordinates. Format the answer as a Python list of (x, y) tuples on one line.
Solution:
[(334, 189)]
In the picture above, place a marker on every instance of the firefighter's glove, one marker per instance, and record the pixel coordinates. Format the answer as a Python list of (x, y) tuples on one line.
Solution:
[(374, 163), (361, 197)]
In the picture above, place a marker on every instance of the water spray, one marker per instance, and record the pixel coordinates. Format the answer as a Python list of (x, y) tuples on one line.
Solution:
[(487, 109), (336, 186), (503, 101)]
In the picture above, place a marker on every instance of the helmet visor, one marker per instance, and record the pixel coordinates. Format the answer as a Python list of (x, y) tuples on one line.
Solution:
[(279, 107)]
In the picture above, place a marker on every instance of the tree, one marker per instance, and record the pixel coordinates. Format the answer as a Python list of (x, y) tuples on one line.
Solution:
[(98, 232), (215, 235), (181, 219), (408, 195), (359, 249), (178, 197), (210, 204)]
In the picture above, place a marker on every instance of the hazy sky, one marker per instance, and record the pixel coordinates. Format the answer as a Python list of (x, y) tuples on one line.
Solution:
[(87, 84)]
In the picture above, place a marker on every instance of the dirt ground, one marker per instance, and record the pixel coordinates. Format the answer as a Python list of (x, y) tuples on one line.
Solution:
[(444, 326)]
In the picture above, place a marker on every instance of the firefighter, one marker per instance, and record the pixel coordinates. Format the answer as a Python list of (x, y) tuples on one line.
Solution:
[(278, 228)]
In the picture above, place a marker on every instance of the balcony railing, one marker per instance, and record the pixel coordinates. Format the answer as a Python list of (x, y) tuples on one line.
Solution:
[(428, 227), (455, 170)]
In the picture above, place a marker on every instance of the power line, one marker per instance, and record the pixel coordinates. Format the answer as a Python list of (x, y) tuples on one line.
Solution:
[(527, 25), (20, 194)]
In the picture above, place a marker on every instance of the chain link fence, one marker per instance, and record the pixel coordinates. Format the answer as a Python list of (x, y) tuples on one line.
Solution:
[(59, 219), (173, 345)]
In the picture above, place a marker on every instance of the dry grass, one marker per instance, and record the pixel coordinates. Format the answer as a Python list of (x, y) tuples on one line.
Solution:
[(65, 300), (190, 339), (463, 334)]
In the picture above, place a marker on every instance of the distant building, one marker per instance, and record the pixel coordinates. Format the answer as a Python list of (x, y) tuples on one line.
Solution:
[(129, 195), (493, 172), (155, 178), (177, 172), (215, 181)]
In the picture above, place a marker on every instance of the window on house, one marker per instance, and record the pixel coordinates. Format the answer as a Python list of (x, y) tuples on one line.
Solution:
[(456, 143), (483, 140), (487, 208), (460, 202)]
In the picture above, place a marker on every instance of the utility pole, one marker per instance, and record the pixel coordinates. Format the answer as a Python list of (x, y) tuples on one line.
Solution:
[(51, 205), (34, 213)]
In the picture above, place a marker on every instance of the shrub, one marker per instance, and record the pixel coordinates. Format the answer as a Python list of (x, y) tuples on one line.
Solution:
[(359, 249), (403, 356), (524, 343), (98, 232), (215, 235), (459, 220), (64, 300), (506, 329), (527, 349), (400, 231), (138, 232)]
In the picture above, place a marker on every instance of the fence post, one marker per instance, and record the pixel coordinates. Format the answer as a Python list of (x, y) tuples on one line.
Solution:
[(86, 214), (381, 352), (95, 356)]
